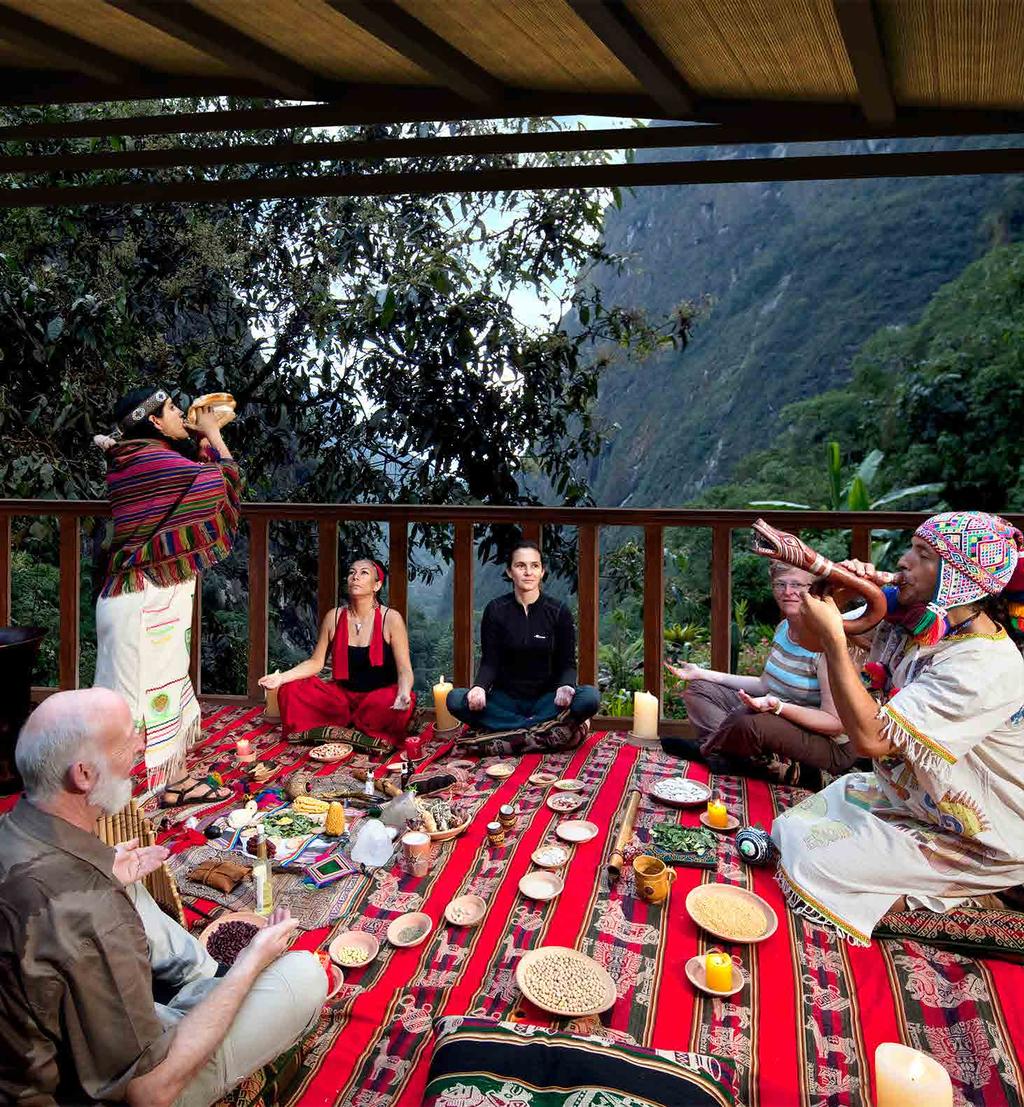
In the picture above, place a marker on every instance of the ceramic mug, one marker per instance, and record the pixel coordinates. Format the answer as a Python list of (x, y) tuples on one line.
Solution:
[(416, 848), (653, 878)]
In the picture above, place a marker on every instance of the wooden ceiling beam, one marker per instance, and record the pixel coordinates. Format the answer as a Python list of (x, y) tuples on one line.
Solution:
[(406, 35), (225, 42), (858, 24), (64, 50), (616, 26), (929, 163)]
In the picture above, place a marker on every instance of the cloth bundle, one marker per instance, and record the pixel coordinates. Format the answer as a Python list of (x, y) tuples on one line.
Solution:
[(224, 876)]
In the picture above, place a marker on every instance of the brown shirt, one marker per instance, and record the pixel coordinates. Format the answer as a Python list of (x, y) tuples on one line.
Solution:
[(77, 1019)]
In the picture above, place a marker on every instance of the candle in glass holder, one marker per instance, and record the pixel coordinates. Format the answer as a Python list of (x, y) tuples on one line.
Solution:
[(718, 971), (244, 750), (645, 715), (443, 718), (906, 1078), (718, 813)]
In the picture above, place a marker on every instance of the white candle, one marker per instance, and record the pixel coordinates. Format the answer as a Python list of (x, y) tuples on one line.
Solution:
[(244, 750), (272, 711), (645, 715), (443, 718), (906, 1078)]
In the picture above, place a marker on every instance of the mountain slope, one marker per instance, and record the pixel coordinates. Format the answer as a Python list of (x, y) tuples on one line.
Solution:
[(800, 274)]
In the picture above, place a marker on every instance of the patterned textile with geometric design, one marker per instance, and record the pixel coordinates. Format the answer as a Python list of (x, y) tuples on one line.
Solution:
[(801, 1033)]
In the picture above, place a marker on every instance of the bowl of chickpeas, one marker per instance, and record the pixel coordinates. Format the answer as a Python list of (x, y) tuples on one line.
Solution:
[(352, 949), (565, 982)]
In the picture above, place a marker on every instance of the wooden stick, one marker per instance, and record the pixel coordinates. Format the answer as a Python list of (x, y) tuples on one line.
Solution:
[(623, 839)]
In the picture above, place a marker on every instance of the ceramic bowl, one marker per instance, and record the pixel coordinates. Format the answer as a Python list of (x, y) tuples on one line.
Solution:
[(411, 918), (541, 885), (367, 944), (465, 910)]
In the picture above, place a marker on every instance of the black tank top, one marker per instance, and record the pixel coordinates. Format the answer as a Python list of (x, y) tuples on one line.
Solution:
[(364, 677)]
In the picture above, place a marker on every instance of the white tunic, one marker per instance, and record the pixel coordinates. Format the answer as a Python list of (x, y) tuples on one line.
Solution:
[(940, 822)]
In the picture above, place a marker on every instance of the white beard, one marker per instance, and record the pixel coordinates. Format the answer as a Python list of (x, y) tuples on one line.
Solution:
[(112, 792)]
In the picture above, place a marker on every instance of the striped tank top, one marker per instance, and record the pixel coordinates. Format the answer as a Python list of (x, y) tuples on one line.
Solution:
[(791, 672)]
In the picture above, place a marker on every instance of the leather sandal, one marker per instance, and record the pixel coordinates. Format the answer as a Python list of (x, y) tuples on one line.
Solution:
[(182, 793)]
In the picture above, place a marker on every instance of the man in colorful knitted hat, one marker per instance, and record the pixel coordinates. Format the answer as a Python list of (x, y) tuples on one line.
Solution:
[(940, 820)]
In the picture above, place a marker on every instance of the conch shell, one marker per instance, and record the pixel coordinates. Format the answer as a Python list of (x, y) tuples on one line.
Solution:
[(223, 404)]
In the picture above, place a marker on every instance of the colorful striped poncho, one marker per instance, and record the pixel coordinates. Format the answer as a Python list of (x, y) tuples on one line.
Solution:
[(172, 517)]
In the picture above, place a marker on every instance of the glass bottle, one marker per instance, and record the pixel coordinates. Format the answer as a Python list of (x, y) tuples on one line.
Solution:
[(262, 876)]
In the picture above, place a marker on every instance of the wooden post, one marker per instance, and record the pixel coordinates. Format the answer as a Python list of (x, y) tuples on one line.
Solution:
[(5, 570), (195, 651), (462, 616), (398, 567), (721, 596), (860, 543), (70, 596), (588, 593), (654, 610), (532, 532), (259, 575), (327, 569)]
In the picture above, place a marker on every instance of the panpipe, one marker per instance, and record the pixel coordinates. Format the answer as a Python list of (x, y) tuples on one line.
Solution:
[(130, 823)]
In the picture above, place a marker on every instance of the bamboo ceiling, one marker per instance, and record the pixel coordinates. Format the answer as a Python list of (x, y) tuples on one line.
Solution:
[(752, 70), (409, 59)]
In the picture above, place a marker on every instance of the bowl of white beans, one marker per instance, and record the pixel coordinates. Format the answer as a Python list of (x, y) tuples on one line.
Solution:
[(353, 948), (565, 982)]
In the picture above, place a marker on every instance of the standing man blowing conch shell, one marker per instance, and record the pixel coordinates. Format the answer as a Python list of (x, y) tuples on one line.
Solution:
[(176, 511)]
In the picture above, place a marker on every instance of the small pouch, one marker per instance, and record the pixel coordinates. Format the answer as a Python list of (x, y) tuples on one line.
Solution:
[(224, 876)]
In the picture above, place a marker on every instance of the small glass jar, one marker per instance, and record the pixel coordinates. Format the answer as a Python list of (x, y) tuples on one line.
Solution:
[(495, 834), (507, 816)]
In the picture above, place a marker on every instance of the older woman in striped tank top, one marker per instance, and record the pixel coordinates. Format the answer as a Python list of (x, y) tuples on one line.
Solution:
[(782, 722)]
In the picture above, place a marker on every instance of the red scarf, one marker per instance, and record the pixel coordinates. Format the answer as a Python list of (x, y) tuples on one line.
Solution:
[(340, 669)]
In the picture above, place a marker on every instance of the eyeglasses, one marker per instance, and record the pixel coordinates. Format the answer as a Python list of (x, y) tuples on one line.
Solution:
[(783, 586)]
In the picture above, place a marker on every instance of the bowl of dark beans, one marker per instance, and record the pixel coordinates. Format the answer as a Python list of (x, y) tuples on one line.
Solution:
[(226, 937)]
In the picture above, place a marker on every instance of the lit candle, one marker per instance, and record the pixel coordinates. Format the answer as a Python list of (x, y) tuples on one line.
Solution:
[(718, 971), (443, 718), (645, 715), (718, 813), (906, 1078), (244, 750)]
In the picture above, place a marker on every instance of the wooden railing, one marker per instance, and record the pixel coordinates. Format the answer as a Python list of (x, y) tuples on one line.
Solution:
[(397, 518)]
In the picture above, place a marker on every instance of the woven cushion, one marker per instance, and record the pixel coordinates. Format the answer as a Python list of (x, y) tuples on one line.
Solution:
[(480, 1061), (972, 931)]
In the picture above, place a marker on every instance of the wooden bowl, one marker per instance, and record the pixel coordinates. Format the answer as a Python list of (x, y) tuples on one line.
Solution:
[(697, 793), (403, 922), (466, 911), (741, 896), (367, 944), (453, 832), (533, 956)]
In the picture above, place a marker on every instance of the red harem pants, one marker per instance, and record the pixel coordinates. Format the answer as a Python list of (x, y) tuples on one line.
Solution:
[(314, 702)]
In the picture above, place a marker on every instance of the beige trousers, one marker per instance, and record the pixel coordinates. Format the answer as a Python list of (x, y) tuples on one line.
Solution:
[(284, 1001)]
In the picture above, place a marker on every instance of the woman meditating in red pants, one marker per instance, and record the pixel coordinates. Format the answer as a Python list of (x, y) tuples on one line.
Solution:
[(371, 688)]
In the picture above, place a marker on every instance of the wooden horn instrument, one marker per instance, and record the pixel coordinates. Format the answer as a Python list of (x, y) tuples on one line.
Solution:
[(787, 548)]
